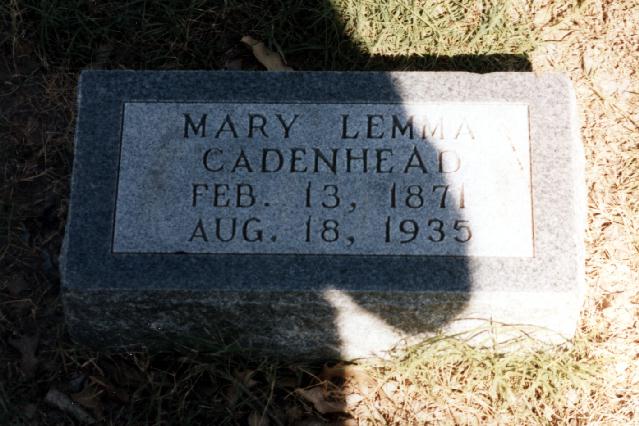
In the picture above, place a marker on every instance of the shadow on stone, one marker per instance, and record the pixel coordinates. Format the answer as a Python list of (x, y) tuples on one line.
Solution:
[(331, 305), (441, 286)]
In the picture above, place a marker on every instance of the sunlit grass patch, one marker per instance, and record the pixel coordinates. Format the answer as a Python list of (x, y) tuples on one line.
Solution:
[(445, 377), (412, 27)]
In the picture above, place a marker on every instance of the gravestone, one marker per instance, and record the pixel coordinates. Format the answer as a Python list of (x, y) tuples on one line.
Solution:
[(313, 214)]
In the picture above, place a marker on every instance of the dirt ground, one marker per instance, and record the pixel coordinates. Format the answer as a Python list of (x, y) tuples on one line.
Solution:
[(46, 379), (598, 47)]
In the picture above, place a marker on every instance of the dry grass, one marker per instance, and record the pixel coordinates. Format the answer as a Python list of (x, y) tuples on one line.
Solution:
[(442, 28), (441, 381), (445, 380), (597, 45)]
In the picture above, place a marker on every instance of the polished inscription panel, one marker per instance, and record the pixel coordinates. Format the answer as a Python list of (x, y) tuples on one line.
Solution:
[(294, 178)]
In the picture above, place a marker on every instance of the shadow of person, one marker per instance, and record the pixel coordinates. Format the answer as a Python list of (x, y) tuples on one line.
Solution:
[(414, 279), (408, 273), (401, 294)]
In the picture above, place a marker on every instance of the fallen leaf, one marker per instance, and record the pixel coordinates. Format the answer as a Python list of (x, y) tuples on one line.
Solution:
[(246, 378), (112, 390), (89, 397), (354, 377), (271, 60), (317, 397), (61, 401)]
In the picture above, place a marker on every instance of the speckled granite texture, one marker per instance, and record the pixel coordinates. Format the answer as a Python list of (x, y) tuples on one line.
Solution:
[(299, 305)]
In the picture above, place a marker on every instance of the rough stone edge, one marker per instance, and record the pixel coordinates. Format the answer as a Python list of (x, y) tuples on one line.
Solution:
[(581, 195), (309, 325)]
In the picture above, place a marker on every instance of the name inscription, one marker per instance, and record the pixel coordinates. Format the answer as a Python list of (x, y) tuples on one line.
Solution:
[(293, 178)]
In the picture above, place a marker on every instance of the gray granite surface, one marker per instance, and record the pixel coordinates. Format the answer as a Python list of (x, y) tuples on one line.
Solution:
[(142, 264), (437, 178)]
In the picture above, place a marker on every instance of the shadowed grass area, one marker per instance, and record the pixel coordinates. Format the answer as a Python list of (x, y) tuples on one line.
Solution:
[(45, 43), (309, 35)]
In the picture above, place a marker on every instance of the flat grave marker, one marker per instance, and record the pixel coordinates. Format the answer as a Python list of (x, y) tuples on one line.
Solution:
[(321, 213)]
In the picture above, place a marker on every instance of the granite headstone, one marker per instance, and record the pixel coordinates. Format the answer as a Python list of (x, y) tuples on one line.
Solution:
[(310, 213)]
